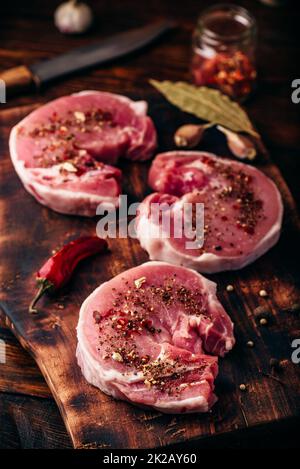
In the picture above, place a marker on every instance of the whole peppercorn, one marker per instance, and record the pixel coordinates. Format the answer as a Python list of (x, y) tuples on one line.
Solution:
[(263, 293)]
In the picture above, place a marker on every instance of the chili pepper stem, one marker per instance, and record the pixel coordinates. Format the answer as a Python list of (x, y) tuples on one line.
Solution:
[(43, 287)]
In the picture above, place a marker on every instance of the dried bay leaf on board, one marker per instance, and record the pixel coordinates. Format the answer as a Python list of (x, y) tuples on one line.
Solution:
[(207, 104)]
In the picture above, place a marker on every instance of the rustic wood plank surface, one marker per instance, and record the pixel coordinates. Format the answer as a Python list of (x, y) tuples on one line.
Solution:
[(32, 231), (92, 418)]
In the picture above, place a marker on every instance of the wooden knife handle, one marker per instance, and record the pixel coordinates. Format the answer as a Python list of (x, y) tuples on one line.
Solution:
[(17, 80)]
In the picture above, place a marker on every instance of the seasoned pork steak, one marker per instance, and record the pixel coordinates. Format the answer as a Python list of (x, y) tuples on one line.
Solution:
[(145, 336), (62, 151), (242, 211)]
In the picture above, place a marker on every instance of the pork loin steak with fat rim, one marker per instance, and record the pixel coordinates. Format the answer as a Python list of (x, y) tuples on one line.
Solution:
[(145, 337), (242, 211), (63, 150)]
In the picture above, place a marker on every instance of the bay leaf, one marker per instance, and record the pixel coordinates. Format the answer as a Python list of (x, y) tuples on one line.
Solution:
[(207, 104)]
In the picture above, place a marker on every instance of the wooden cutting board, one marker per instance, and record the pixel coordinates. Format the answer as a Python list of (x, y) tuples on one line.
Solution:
[(29, 232)]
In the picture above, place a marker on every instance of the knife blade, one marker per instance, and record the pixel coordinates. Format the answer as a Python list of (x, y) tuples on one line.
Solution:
[(22, 78)]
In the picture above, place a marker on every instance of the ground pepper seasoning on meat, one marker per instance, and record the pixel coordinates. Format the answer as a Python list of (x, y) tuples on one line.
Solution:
[(235, 191), (133, 314), (241, 192), (60, 142)]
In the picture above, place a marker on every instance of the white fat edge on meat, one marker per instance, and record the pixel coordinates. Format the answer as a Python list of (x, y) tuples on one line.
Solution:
[(140, 107), (209, 262), (112, 373), (166, 155), (214, 304), (121, 376), (198, 164), (170, 254), (107, 373), (43, 191), (92, 371), (192, 383), (192, 403)]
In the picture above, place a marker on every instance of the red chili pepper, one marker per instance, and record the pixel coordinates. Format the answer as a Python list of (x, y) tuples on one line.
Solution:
[(58, 269)]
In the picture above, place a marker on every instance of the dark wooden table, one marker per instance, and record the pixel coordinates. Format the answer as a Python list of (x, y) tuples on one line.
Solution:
[(29, 417)]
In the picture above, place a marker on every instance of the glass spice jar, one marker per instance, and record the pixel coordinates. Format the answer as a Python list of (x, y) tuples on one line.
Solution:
[(224, 50)]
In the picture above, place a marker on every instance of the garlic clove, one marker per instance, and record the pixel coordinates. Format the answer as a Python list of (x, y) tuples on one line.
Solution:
[(188, 136), (73, 17), (241, 146)]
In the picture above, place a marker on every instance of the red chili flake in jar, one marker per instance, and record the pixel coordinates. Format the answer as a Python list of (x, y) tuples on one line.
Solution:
[(224, 50)]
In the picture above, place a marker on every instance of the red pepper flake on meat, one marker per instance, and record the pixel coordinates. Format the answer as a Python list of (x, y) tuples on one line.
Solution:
[(241, 192), (60, 133), (132, 315), (232, 200)]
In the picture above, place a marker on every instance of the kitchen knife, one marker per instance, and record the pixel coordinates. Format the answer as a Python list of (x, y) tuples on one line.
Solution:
[(22, 78)]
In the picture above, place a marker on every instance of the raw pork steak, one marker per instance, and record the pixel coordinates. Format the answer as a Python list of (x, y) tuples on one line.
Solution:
[(61, 151), (144, 337), (242, 211)]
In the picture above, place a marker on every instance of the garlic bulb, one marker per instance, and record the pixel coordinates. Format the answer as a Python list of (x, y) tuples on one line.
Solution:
[(73, 17)]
